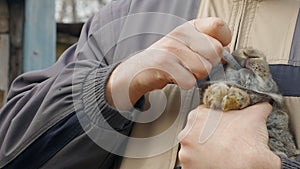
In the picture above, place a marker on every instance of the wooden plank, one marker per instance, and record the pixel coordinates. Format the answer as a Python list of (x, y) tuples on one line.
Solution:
[(4, 15), (16, 22), (4, 65), (39, 34)]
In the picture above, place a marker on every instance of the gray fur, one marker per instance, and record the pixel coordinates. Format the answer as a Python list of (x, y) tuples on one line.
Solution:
[(256, 82)]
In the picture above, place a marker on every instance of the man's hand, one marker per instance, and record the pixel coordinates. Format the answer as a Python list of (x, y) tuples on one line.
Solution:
[(184, 56), (239, 142)]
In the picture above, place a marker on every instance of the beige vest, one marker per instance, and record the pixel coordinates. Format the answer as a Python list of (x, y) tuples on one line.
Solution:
[(179, 103), (267, 25)]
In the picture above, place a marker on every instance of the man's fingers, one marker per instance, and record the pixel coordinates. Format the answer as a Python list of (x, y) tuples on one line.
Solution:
[(162, 67), (260, 110), (195, 121), (198, 42), (214, 27)]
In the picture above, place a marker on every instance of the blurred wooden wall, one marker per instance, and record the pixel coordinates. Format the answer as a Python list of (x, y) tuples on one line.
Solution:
[(27, 39), (4, 50), (67, 35), (11, 43)]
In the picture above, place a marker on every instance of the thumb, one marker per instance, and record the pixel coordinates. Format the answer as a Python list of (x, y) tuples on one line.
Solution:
[(214, 27), (259, 111)]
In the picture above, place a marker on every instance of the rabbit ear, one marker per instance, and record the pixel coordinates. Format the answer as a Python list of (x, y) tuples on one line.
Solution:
[(250, 53), (253, 53)]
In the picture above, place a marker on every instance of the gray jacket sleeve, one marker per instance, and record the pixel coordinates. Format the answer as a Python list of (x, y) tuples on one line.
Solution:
[(287, 163), (48, 109)]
